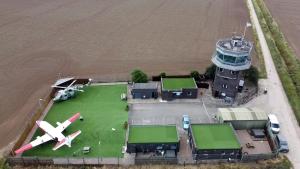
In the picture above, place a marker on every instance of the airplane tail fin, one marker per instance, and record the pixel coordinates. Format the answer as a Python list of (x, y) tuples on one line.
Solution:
[(67, 141)]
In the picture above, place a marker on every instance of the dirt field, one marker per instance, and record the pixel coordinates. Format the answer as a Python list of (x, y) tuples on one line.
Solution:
[(102, 38), (287, 15)]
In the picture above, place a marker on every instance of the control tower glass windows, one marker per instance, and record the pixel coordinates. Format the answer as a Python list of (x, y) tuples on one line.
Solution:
[(229, 59), (241, 59), (220, 56)]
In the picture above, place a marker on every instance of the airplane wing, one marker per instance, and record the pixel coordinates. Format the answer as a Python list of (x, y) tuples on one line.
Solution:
[(62, 126), (67, 140), (34, 143)]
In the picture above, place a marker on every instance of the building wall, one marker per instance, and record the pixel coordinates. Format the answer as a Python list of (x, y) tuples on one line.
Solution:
[(226, 82), (183, 94), (144, 93), (151, 147), (247, 124), (217, 154)]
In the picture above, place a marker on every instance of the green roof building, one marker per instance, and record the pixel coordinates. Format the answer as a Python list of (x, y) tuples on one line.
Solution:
[(178, 88), (149, 138), (214, 141)]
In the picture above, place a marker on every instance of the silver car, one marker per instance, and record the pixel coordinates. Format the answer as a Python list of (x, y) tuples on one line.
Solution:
[(185, 122)]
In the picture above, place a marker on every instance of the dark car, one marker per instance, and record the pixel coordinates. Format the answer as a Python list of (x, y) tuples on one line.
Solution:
[(282, 143)]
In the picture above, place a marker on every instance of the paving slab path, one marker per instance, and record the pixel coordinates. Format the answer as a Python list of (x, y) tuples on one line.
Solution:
[(277, 100)]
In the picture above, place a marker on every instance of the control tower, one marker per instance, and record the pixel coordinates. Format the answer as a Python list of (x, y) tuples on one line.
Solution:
[(232, 57)]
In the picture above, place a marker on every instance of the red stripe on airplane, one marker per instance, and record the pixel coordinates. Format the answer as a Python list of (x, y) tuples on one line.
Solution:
[(24, 148), (75, 117)]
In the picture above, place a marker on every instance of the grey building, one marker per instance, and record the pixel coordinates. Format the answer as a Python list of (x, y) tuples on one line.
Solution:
[(231, 57), (243, 118), (144, 90)]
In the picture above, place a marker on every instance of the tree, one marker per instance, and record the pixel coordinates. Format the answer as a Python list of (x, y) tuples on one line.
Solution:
[(137, 76), (252, 75), (195, 74), (162, 74), (210, 72)]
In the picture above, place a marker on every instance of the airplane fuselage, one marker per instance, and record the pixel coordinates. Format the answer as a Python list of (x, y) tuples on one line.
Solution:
[(50, 130)]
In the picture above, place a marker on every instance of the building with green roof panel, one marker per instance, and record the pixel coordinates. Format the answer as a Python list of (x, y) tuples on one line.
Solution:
[(178, 88), (214, 141), (149, 138)]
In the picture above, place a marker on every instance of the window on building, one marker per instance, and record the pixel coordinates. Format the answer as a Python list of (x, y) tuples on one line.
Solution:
[(241, 59), (229, 59), (234, 72), (220, 56)]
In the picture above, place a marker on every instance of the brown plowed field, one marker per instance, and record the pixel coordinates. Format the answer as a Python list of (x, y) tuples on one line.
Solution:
[(102, 38), (287, 14)]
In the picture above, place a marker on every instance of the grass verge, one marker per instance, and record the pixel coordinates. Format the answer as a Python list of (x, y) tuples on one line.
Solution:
[(262, 67), (286, 63)]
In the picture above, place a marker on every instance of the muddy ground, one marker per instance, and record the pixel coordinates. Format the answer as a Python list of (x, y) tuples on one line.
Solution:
[(287, 15), (39, 39)]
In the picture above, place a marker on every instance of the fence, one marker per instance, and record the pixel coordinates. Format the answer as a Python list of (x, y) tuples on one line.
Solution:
[(247, 97), (64, 161), (156, 160), (32, 117), (254, 157)]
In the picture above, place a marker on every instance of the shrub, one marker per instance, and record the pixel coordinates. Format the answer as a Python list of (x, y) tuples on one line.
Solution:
[(252, 75), (195, 74), (125, 125), (138, 76), (163, 74), (127, 108), (210, 71)]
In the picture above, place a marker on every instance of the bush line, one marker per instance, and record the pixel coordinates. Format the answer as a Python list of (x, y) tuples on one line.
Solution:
[(292, 63), (287, 65)]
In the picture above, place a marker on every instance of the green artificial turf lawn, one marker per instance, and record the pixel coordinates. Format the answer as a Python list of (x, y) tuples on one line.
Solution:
[(214, 136), (178, 83), (102, 110), (152, 134)]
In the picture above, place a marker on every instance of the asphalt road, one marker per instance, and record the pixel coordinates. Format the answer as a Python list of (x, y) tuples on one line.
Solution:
[(167, 113), (277, 99)]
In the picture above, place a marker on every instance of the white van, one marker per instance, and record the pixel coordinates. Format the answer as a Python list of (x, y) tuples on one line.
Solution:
[(273, 123)]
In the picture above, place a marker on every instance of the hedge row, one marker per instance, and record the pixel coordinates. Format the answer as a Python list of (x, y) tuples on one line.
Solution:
[(287, 65), (291, 61)]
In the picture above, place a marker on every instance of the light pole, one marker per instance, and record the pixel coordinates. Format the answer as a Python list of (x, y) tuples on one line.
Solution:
[(40, 102), (248, 24)]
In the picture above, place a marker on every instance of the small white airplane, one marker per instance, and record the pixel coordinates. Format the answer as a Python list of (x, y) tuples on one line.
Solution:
[(52, 133)]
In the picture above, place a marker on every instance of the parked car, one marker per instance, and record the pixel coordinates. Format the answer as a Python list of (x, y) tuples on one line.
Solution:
[(185, 122), (273, 123), (282, 144)]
